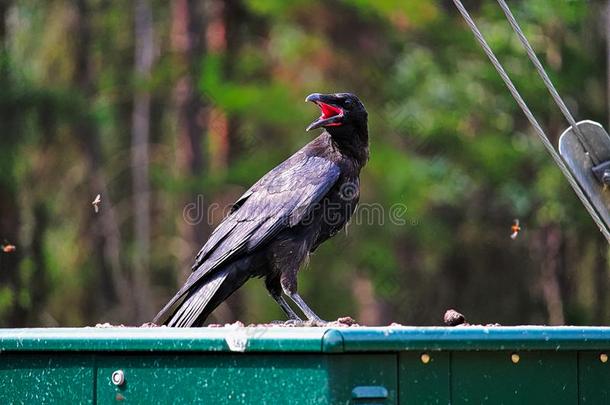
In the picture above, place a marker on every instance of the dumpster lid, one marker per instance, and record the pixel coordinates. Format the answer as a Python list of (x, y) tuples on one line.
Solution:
[(305, 339)]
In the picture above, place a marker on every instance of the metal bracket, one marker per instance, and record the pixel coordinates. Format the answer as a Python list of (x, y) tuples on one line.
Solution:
[(602, 172), (591, 179)]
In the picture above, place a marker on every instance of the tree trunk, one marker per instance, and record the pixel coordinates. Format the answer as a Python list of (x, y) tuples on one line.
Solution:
[(235, 16), (369, 309), (600, 279), (218, 122), (10, 216), (140, 158), (188, 28), (4, 6), (103, 229), (549, 277)]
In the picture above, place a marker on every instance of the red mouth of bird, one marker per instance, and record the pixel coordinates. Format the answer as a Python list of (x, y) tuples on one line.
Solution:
[(332, 115), (329, 111)]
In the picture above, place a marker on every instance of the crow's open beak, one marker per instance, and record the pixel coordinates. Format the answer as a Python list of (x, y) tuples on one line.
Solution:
[(332, 114)]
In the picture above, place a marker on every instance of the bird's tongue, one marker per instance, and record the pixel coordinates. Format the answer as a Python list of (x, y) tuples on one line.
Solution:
[(328, 110)]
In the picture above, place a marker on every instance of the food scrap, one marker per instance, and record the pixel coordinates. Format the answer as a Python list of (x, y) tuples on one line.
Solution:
[(453, 318)]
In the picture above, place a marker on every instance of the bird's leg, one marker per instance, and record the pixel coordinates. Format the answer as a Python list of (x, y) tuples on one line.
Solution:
[(305, 308), (286, 308), (275, 290), (288, 281)]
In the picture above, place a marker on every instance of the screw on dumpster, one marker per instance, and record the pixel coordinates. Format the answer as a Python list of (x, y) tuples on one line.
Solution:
[(515, 358), (603, 358), (118, 377), (425, 358)]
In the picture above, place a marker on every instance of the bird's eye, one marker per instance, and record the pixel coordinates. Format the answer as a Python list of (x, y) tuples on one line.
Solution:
[(347, 103)]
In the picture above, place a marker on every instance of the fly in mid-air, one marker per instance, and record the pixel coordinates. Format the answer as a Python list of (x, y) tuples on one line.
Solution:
[(282, 218)]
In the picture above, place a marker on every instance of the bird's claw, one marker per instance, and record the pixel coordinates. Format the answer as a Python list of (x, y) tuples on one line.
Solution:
[(317, 322), (306, 323), (277, 322), (295, 322)]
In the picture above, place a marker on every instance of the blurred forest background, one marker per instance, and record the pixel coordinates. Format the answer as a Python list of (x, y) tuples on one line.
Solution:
[(171, 109)]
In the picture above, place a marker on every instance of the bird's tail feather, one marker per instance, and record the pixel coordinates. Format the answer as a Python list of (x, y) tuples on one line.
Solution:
[(162, 316), (196, 302)]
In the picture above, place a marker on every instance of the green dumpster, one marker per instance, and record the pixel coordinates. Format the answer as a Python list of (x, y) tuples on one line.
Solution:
[(389, 365)]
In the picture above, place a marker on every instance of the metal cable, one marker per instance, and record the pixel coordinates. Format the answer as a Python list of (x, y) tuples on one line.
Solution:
[(547, 81), (539, 131)]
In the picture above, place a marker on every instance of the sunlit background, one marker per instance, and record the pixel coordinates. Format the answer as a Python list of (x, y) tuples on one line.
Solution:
[(169, 110)]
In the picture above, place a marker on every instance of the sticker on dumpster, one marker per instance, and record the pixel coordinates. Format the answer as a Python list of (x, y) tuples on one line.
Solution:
[(237, 340)]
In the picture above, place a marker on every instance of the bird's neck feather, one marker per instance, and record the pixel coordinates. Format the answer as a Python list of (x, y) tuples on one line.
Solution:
[(352, 141)]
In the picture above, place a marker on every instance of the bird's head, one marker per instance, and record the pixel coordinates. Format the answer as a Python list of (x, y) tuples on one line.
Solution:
[(338, 110)]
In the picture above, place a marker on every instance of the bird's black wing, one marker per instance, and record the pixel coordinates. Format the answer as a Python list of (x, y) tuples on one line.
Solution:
[(281, 199)]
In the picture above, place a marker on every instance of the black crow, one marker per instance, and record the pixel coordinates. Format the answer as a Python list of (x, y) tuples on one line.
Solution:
[(281, 219)]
